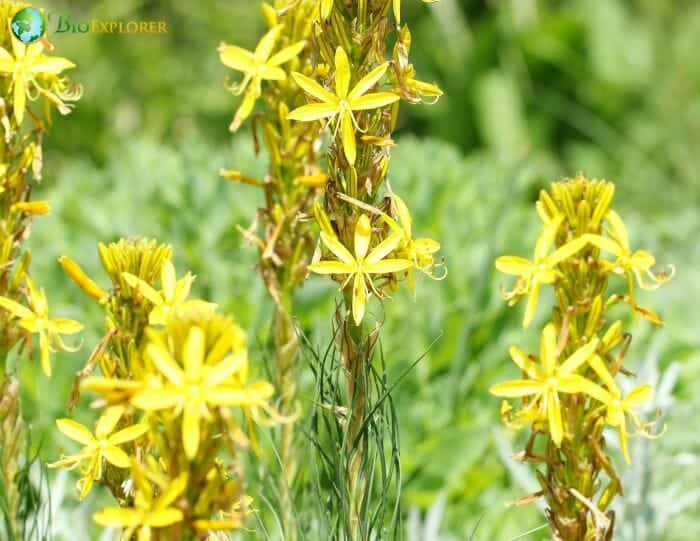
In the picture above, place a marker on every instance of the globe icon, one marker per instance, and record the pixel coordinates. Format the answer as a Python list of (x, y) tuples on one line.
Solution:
[(28, 25)]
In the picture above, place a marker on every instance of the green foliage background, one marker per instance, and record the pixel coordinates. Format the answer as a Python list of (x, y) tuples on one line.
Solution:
[(534, 90)]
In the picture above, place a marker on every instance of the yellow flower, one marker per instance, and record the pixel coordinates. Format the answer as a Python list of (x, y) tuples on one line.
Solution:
[(32, 207), (27, 63), (36, 320), (532, 274), (149, 511), (344, 101), (362, 265), (637, 264), (173, 296), (422, 250), (199, 384), (617, 407), (103, 445), (257, 66), (546, 382)]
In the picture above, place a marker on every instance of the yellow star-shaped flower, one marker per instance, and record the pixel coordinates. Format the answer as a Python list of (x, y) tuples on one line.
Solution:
[(36, 320), (544, 383), (198, 383), (533, 274), (27, 63), (360, 266), (173, 296), (101, 446), (341, 104), (260, 65)]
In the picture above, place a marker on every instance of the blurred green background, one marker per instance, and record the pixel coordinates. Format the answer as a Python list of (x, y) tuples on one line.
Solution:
[(534, 90)]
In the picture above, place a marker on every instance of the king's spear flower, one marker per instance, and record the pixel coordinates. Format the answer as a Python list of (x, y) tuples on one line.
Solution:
[(24, 66), (102, 445), (545, 382), (341, 104), (36, 320), (260, 65), (542, 270), (360, 266)]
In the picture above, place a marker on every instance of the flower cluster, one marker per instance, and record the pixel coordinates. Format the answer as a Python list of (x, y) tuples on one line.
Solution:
[(570, 394), (32, 84), (175, 397)]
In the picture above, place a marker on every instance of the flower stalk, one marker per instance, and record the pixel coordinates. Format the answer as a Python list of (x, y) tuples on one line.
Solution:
[(32, 83), (569, 394)]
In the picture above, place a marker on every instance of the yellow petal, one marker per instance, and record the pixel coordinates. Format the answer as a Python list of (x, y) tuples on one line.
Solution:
[(286, 54), (517, 388), (128, 434), (314, 89), (548, 349), (546, 238), (165, 363), (556, 428), (236, 58), (331, 267), (326, 8), (605, 244), (313, 111), (623, 441), (190, 428), (337, 248), (359, 298), (156, 399), (116, 457), (638, 396), (363, 234), (387, 266), (342, 72), (51, 64), (598, 366), (267, 43), (75, 431), (65, 326), (384, 248), (404, 215), (347, 134), (142, 287), (524, 363), (19, 98), (568, 250), (16, 308), (249, 98), (44, 349), (531, 305), (193, 353), (513, 265), (108, 421), (397, 11), (373, 101), (368, 81), (580, 356), (579, 384), (618, 229), (167, 279), (118, 517), (163, 517), (273, 74), (7, 61)]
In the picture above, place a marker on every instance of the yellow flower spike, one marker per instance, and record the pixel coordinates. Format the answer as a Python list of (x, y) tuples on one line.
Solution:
[(546, 382), (28, 63), (341, 105), (260, 65), (149, 512), (173, 295), (37, 321), (84, 282), (361, 266), (194, 386), (101, 446), (32, 207), (542, 270)]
